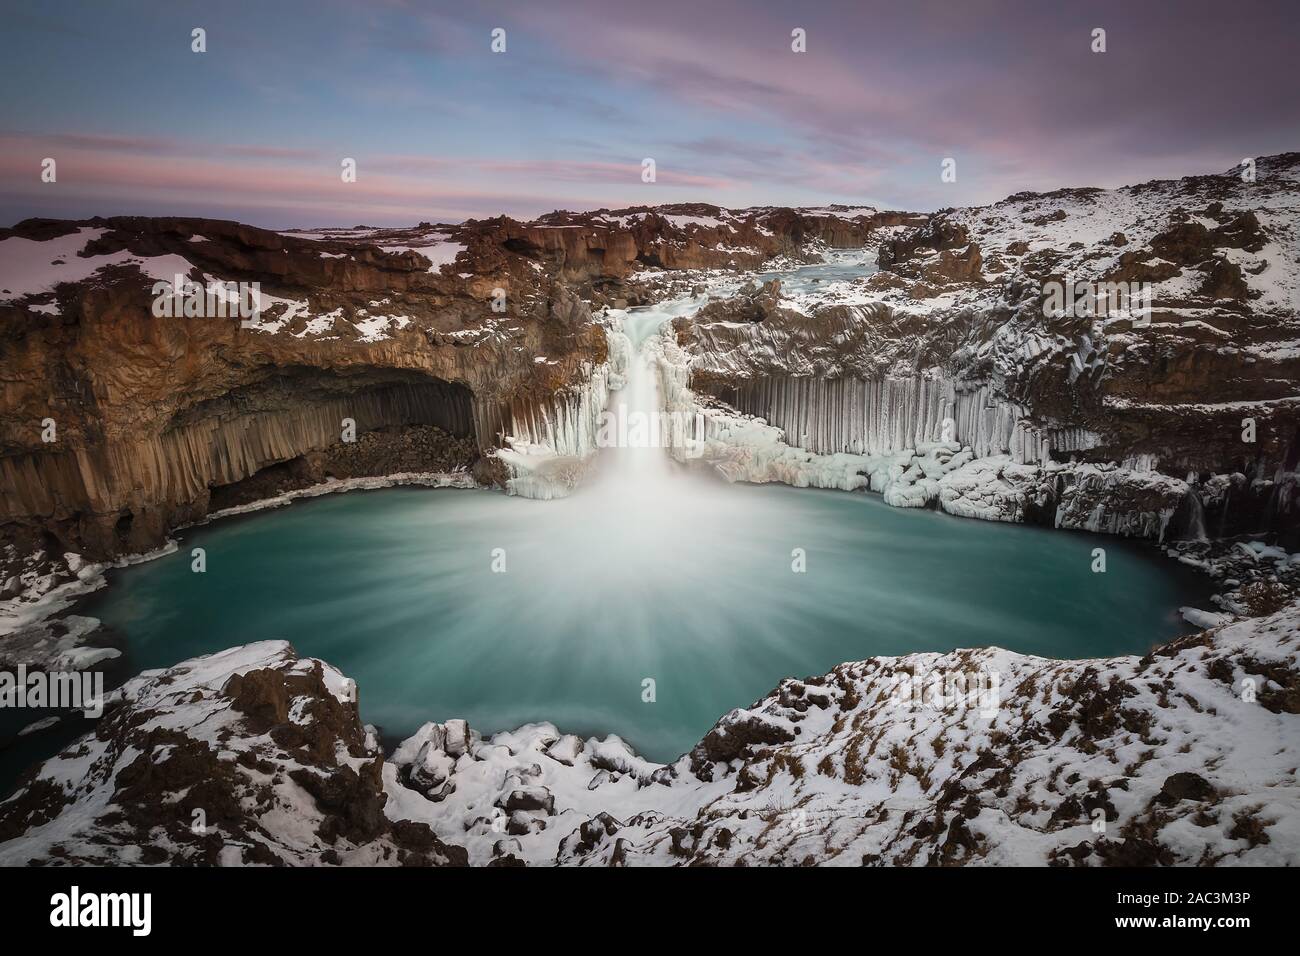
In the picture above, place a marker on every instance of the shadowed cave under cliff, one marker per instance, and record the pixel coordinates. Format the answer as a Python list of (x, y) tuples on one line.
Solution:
[(280, 432), (401, 422)]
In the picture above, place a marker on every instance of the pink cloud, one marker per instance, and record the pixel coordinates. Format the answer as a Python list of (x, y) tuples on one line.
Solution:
[(119, 170)]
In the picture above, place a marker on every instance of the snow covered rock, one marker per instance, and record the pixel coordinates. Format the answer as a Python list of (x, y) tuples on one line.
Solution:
[(457, 739), (1134, 414), (431, 768), (566, 749), (529, 798), (1183, 756), (244, 757)]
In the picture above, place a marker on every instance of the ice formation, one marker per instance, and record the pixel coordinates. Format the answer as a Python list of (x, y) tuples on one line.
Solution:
[(552, 442), (888, 436)]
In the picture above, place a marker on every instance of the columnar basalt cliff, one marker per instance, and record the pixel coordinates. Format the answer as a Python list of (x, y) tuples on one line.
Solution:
[(118, 424), (969, 375)]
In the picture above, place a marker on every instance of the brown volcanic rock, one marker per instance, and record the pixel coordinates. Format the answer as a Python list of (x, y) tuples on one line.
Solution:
[(577, 251), (834, 226), (936, 254), (152, 413), (239, 252), (750, 304), (611, 244)]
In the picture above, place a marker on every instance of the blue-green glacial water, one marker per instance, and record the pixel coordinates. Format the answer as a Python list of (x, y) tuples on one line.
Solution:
[(396, 588)]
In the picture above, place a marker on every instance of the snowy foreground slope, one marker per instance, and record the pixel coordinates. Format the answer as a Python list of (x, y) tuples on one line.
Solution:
[(1188, 755)]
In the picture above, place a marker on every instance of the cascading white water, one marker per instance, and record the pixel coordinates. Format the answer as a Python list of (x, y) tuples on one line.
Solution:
[(637, 430), (632, 452), (551, 450), (611, 421)]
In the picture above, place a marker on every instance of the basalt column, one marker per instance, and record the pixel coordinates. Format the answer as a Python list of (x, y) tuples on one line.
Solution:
[(123, 494)]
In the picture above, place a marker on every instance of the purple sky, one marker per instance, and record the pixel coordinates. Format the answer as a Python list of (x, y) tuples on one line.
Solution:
[(443, 129)]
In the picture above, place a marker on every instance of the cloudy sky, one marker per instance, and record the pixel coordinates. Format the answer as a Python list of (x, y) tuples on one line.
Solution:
[(442, 128)]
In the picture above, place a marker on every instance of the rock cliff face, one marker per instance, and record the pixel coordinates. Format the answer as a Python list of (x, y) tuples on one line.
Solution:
[(597, 252), (1174, 415), (119, 425)]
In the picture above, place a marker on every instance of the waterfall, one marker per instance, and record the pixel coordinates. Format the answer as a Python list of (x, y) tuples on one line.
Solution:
[(1196, 522), (552, 445), (924, 440), (637, 434)]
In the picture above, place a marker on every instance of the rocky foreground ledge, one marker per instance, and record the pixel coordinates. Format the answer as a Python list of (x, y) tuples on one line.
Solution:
[(255, 755)]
